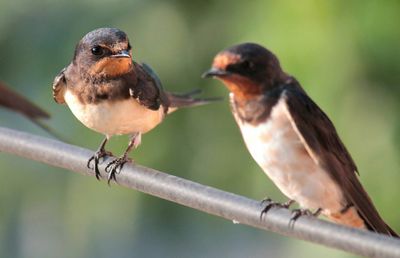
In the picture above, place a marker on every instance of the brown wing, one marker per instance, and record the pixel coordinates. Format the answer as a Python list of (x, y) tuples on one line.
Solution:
[(325, 147), (148, 90), (59, 87), (12, 100)]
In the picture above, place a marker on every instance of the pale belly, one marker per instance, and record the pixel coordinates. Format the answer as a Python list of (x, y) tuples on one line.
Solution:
[(278, 150), (115, 118)]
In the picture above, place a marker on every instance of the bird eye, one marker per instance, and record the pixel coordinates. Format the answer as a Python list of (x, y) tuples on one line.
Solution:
[(129, 46), (246, 65), (97, 51)]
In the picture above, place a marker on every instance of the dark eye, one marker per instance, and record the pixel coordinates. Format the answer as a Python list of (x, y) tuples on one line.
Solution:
[(242, 67), (129, 46), (246, 65), (97, 51)]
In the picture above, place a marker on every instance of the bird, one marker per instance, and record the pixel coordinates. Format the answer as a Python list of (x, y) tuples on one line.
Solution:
[(14, 101), (113, 95), (293, 140)]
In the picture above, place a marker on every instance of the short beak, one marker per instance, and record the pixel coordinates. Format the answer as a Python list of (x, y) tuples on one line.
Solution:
[(214, 72), (122, 54)]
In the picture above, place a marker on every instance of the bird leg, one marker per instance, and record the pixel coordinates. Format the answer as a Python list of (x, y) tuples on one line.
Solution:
[(112, 167), (100, 153), (297, 213), (273, 204)]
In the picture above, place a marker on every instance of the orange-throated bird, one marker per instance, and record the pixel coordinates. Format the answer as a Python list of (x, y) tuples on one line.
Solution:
[(113, 95), (16, 102), (292, 139)]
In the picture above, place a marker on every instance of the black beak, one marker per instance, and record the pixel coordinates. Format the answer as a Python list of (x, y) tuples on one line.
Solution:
[(122, 54), (214, 72)]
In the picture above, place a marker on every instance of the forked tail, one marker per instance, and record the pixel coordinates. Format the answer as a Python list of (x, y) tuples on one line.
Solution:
[(184, 100), (18, 103)]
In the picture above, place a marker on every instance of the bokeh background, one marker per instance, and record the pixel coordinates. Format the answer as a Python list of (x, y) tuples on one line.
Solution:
[(346, 54)]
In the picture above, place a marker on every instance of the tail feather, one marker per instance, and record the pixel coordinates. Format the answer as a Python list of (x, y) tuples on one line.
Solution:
[(18, 103), (50, 130), (386, 230), (183, 100), (392, 232), (14, 101)]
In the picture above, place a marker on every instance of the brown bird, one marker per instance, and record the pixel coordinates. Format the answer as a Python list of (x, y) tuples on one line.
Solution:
[(292, 139), (113, 95), (16, 102)]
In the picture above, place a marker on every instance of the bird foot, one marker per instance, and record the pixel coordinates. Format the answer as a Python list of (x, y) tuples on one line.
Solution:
[(96, 159), (116, 164), (297, 213), (273, 204)]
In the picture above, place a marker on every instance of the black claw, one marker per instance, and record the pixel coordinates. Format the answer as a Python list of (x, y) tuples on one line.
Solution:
[(115, 167), (117, 164), (96, 168), (111, 176), (111, 169), (96, 171), (96, 159), (266, 200), (272, 204), (89, 161), (297, 213)]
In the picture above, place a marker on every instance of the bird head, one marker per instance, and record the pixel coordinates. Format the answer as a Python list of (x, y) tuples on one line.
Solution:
[(246, 69), (104, 52)]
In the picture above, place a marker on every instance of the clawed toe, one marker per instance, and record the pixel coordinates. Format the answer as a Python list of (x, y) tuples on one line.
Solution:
[(272, 204), (115, 167), (100, 153), (118, 164), (297, 213), (96, 160)]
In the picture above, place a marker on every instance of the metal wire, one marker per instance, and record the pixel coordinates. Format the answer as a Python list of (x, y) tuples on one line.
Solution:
[(207, 199)]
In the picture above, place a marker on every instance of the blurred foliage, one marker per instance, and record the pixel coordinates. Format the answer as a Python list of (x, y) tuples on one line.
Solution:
[(345, 54)]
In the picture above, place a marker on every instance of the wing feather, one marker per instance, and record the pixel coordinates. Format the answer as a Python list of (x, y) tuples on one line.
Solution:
[(148, 90), (323, 144), (59, 87)]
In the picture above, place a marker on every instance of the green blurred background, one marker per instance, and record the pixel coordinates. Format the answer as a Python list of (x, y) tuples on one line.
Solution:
[(345, 54)]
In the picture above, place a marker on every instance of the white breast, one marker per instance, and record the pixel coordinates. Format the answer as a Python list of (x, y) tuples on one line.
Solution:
[(277, 148), (113, 118)]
